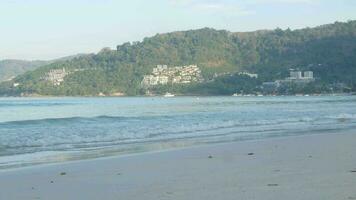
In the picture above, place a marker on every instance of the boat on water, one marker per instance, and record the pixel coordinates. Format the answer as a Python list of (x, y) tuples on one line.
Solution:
[(168, 95)]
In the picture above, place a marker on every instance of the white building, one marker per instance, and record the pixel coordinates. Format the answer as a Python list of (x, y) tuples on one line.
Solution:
[(163, 75), (163, 80), (56, 76), (295, 75), (177, 79), (147, 79), (249, 74), (308, 75)]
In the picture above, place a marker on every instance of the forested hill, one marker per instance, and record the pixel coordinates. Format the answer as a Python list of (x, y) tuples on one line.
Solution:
[(328, 50), (12, 68)]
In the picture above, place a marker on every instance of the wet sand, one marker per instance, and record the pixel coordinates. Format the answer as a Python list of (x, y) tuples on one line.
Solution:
[(304, 167)]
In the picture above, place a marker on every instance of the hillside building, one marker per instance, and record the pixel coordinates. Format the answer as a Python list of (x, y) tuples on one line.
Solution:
[(163, 75), (296, 77), (56, 76), (251, 75), (308, 75)]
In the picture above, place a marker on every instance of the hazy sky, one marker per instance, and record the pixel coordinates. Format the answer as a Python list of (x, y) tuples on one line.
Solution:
[(46, 29)]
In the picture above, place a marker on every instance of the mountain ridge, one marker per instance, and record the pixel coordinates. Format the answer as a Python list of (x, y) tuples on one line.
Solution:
[(10, 68), (328, 50)]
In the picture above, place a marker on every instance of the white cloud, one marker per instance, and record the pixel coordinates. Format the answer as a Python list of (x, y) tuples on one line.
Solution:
[(226, 7)]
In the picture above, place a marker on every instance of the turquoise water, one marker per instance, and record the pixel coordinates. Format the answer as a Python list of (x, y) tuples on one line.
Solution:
[(43, 130)]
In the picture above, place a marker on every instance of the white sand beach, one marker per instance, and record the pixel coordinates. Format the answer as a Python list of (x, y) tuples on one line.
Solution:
[(304, 168)]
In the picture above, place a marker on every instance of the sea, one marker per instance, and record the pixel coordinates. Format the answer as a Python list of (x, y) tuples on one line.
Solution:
[(37, 131)]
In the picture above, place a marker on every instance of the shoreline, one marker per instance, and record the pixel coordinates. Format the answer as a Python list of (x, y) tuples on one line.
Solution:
[(150, 148), (317, 166), (182, 95)]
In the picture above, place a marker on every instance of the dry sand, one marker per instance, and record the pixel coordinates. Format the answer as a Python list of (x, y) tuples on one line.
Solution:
[(305, 167)]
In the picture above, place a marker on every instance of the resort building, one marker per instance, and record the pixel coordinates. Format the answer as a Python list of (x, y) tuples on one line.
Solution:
[(56, 76), (163, 75), (296, 77), (249, 74), (308, 75)]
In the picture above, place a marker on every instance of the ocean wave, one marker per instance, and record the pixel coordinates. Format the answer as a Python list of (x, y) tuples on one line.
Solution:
[(342, 116), (77, 132), (65, 120), (120, 123), (29, 104), (202, 116)]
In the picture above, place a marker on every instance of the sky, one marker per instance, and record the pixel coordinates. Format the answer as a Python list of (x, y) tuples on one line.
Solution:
[(49, 29)]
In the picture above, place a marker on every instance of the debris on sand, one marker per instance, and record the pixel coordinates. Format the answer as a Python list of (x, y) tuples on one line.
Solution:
[(63, 173), (343, 120), (250, 154)]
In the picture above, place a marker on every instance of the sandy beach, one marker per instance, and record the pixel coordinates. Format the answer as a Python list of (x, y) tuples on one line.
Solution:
[(304, 167)]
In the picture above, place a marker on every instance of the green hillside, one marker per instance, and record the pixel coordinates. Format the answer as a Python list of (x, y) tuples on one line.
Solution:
[(328, 50), (12, 68)]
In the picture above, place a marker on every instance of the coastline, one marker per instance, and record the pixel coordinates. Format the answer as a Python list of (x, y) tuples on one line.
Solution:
[(179, 95), (319, 166)]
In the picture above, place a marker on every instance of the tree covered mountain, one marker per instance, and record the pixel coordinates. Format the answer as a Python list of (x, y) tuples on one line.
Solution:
[(11, 68), (328, 50)]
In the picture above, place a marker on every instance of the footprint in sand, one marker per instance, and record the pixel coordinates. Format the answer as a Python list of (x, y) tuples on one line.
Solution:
[(272, 185)]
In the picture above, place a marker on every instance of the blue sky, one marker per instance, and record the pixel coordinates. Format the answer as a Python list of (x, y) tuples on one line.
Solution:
[(47, 29)]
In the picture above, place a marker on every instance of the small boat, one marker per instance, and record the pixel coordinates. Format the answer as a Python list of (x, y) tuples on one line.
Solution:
[(168, 95)]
